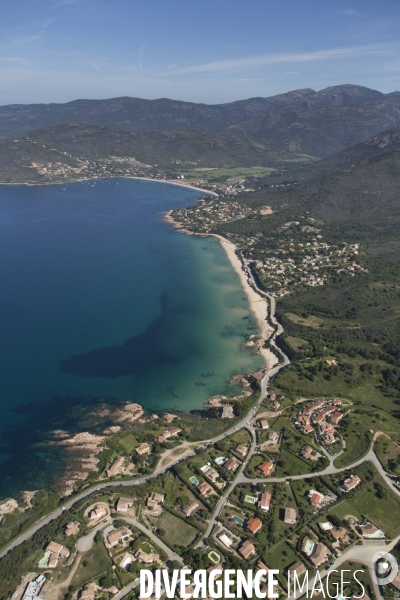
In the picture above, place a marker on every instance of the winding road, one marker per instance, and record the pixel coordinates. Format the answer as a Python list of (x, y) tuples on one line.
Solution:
[(85, 542)]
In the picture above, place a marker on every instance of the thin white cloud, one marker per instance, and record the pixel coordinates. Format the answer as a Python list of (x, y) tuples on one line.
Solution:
[(96, 67), (26, 35), (272, 59)]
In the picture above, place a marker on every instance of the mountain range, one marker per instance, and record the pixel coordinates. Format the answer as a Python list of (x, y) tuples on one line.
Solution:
[(284, 131)]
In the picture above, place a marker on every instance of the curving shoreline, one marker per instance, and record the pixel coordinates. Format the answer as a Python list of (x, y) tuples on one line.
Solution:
[(258, 304), (32, 184)]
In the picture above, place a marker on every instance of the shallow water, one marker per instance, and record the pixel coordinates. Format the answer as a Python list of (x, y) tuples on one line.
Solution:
[(100, 298)]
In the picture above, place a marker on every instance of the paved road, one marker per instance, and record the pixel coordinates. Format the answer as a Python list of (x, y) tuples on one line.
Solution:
[(240, 477), (86, 542), (170, 554), (370, 456), (224, 498), (128, 588)]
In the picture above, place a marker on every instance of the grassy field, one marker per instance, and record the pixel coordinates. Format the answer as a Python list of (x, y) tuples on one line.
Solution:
[(128, 442), (355, 429), (290, 464), (388, 453), (373, 500), (177, 532), (218, 175), (328, 384), (93, 563), (280, 557)]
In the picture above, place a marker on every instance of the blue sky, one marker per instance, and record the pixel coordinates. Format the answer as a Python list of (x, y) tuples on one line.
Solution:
[(206, 51)]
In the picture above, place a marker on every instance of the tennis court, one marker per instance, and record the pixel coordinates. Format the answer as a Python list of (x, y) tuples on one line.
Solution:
[(250, 499)]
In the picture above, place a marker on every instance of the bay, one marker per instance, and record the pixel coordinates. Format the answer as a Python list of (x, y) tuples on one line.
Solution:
[(99, 298)]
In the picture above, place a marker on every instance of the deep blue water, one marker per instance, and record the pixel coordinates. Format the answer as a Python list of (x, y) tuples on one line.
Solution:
[(100, 298)]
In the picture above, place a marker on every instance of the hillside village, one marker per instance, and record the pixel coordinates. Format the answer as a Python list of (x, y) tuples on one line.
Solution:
[(295, 255), (191, 514)]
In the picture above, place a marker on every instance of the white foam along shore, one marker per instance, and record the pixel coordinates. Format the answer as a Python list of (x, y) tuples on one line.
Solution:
[(258, 305)]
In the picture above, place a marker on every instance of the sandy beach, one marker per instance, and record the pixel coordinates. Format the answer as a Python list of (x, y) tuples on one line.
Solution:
[(258, 304), (81, 179)]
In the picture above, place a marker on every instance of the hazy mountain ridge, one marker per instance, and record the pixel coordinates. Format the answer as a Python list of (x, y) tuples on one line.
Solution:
[(136, 114), (68, 145), (282, 131), (319, 131)]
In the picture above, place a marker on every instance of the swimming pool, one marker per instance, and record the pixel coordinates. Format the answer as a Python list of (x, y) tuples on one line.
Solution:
[(309, 547), (194, 480)]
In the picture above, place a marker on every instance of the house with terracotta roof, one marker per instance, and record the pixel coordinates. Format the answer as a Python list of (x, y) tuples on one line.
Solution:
[(156, 497), (308, 429), (262, 567), (316, 498), (189, 507), (242, 449), (52, 553), (168, 433), (329, 439), (275, 405), (257, 376), (231, 464), (254, 525), (117, 467), (264, 501), (123, 504), (326, 427), (337, 417), (72, 528), (218, 570), (307, 453), (143, 448), (205, 489), (146, 558), (246, 549), (97, 512), (117, 535), (210, 473), (350, 483), (266, 468), (263, 424)]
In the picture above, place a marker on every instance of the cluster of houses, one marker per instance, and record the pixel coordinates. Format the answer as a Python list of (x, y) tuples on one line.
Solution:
[(303, 263), (322, 414), (204, 216)]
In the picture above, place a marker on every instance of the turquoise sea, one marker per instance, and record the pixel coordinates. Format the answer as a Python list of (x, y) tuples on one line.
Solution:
[(99, 298)]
